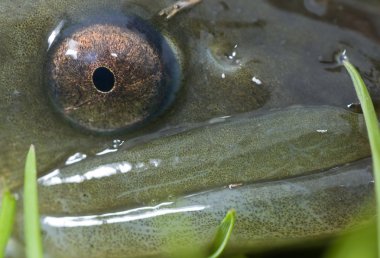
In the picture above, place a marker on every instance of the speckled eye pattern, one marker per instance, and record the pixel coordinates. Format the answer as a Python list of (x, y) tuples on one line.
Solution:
[(111, 76)]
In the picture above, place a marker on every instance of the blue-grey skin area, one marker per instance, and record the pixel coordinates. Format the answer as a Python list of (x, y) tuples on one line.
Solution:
[(272, 160)]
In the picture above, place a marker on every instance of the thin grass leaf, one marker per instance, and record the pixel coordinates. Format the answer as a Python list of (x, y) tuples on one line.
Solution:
[(7, 216), (359, 243), (369, 115), (33, 244), (223, 234), (372, 129)]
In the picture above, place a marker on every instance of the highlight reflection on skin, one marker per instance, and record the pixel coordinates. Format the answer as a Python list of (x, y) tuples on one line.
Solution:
[(118, 217), (320, 202), (55, 177)]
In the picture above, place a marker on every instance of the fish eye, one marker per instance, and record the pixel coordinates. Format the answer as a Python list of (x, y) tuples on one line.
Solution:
[(111, 75)]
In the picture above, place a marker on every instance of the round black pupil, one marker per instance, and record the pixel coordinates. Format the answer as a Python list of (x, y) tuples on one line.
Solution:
[(103, 79)]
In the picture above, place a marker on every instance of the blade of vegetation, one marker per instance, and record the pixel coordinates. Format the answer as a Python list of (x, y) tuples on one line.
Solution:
[(369, 116), (33, 244), (7, 216), (350, 243), (223, 234), (359, 243)]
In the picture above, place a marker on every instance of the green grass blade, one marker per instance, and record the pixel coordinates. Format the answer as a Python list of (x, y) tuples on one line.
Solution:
[(359, 243), (7, 216), (223, 234), (33, 244), (372, 129), (369, 115)]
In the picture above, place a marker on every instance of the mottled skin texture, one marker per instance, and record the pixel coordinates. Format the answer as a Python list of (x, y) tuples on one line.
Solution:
[(272, 213), (280, 45), (268, 215), (191, 161)]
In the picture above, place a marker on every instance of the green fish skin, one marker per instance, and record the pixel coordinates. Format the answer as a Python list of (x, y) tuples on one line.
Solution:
[(282, 46), (274, 145), (114, 214), (257, 57), (269, 214)]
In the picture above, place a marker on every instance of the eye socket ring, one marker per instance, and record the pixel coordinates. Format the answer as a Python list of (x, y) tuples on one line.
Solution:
[(112, 75)]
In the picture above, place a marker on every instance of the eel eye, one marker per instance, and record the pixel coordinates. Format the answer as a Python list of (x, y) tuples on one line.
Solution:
[(111, 76)]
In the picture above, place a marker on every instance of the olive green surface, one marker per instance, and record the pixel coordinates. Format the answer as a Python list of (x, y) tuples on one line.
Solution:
[(224, 48), (242, 150), (280, 48), (269, 215)]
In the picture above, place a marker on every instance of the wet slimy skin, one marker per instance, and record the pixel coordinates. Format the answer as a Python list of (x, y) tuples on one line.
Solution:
[(268, 215), (129, 204), (240, 150), (235, 57), (221, 47)]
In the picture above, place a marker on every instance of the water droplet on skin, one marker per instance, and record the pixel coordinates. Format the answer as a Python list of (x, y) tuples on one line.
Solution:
[(334, 63), (233, 57), (256, 80), (341, 57), (224, 53), (75, 158), (232, 186), (117, 143)]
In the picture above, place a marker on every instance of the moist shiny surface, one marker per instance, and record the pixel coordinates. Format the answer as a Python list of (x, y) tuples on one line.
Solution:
[(138, 76), (236, 57)]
